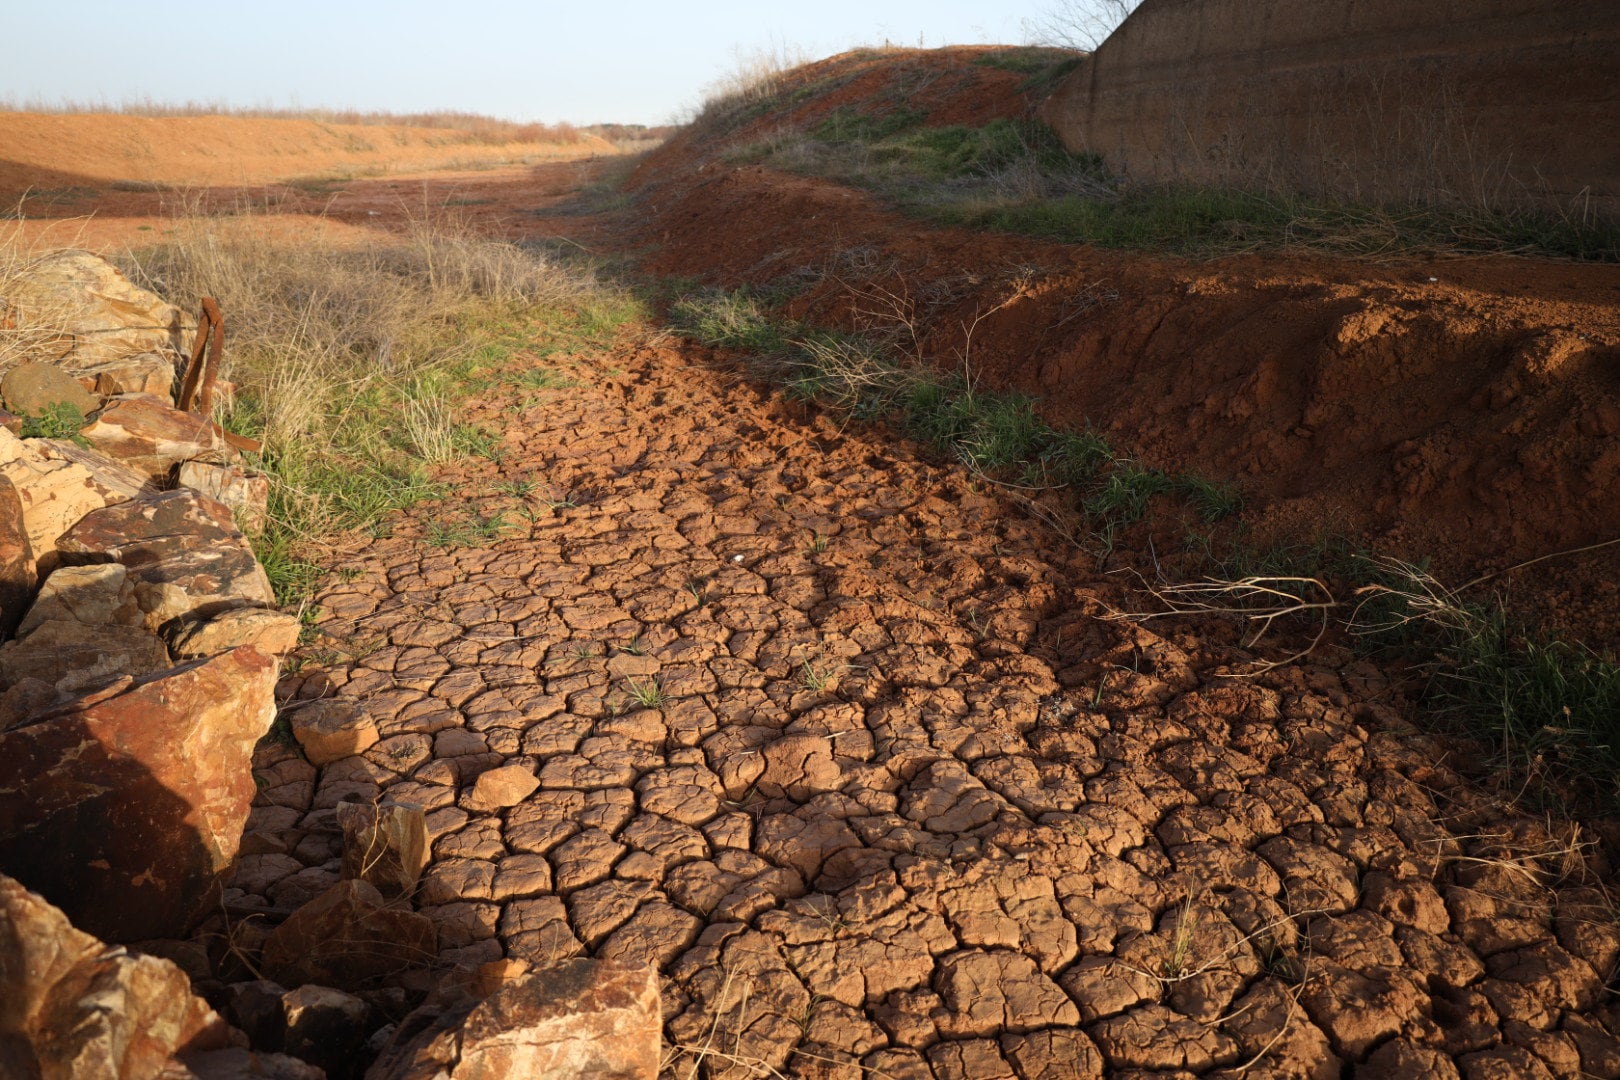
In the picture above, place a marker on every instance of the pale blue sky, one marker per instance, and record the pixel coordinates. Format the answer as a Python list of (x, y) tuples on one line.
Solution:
[(582, 61)]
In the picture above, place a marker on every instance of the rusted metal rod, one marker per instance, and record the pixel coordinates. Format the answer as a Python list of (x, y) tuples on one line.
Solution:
[(201, 372)]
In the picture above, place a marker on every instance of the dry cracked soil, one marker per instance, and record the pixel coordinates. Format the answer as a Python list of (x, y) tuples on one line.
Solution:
[(849, 746)]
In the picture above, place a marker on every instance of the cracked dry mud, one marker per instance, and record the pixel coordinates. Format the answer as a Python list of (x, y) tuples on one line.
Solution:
[(844, 743)]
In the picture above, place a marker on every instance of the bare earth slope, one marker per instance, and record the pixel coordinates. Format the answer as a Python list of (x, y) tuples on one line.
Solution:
[(843, 743), (1459, 409)]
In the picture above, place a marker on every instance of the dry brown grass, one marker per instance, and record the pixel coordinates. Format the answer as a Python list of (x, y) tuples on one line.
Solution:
[(477, 127)]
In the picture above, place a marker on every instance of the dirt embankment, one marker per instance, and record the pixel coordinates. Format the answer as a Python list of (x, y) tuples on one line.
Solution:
[(1464, 410), (42, 151)]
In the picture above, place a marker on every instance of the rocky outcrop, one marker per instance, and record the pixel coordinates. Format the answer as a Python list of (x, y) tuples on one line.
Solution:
[(72, 1007), (126, 805), (184, 554), (584, 1018), (94, 313)]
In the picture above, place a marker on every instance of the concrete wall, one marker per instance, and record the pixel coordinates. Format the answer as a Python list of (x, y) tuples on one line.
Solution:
[(1497, 100)]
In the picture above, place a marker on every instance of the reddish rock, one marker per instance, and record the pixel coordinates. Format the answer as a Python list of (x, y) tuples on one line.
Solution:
[(71, 1006), (583, 1018), (384, 844), (150, 529), (330, 730), (151, 436), (16, 559), (499, 788), (143, 373), (246, 493), (347, 938), (185, 556), (125, 809)]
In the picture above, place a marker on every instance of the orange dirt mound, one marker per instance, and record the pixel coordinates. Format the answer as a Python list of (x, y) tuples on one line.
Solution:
[(1461, 409), (45, 151)]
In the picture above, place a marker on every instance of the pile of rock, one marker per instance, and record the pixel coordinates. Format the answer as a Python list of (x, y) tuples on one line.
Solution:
[(139, 656)]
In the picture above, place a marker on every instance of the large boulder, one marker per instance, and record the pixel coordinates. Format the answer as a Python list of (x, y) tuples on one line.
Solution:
[(125, 806), (185, 556), (54, 492), (584, 1018), (92, 312), (71, 1007), (151, 436)]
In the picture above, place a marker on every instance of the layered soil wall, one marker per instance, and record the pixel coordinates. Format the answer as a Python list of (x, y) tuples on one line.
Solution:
[(1474, 100)]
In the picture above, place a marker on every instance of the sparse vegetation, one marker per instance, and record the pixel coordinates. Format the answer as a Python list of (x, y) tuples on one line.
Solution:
[(351, 362), (1015, 175), (999, 435)]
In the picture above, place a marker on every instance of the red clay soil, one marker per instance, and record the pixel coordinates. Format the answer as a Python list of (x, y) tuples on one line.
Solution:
[(1465, 410)]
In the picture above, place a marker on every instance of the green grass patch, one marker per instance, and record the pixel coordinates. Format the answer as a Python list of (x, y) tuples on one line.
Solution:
[(58, 420)]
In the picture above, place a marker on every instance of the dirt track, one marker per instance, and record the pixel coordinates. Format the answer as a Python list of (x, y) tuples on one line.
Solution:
[(909, 803)]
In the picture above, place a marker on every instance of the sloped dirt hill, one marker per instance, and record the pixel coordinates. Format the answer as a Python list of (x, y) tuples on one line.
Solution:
[(847, 745)]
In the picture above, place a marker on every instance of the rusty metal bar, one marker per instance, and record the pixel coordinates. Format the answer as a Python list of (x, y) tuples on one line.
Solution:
[(206, 349)]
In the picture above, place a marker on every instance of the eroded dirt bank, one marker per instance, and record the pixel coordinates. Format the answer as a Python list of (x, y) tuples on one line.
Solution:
[(845, 744), (1464, 410)]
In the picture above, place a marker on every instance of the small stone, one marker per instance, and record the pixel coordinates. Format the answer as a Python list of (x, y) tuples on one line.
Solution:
[(384, 844), (500, 788), (325, 1027), (255, 1007), (329, 730), (35, 389)]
